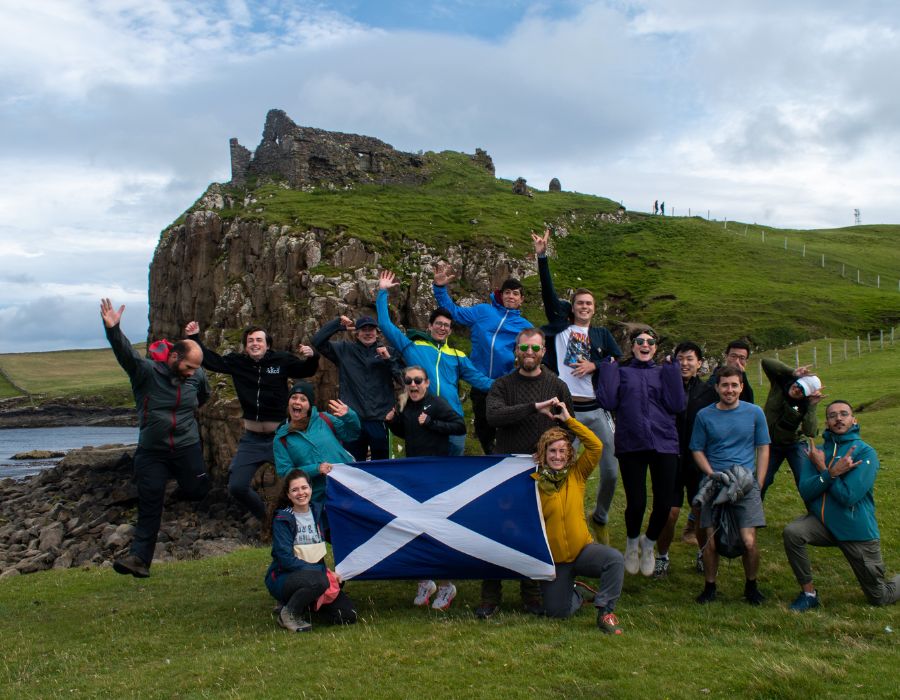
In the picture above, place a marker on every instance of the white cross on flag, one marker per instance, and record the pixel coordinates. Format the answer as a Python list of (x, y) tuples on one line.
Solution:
[(438, 517)]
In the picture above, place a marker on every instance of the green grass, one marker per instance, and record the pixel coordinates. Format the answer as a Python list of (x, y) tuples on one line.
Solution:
[(7, 390), (204, 629), (91, 374)]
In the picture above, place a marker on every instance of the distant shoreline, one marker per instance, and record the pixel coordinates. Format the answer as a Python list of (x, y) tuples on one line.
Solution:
[(19, 413)]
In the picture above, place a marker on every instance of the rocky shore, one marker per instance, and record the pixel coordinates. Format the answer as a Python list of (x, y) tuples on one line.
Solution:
[(20, 413), (81, 513)]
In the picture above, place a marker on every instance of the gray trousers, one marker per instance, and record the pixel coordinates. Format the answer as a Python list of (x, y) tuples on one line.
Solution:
[(595, 561), (864, 558), (599, 423)]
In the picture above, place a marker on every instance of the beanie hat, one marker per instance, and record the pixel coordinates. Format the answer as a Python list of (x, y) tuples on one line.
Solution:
[(304, 388), (809, 384)]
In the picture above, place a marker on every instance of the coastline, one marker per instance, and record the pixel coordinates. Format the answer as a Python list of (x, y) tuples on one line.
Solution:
[(21, 413)]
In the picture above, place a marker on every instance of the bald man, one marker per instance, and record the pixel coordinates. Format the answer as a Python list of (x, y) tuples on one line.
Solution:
[(167, 395)]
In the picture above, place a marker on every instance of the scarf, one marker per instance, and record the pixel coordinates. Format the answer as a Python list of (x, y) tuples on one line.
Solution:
[(549, 480)]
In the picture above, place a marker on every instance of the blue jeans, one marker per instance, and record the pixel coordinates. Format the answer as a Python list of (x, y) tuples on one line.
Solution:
[(793, 453), (599, 423), (457, 445), (372, 436), (254, 450)]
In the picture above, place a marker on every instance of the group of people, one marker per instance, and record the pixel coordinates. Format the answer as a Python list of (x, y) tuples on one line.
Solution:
[(562, 392)]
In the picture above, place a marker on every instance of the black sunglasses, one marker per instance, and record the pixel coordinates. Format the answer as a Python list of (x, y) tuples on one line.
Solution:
[(650, 341), (413, 380)]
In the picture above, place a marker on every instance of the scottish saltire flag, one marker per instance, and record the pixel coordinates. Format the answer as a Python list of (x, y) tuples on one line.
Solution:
[(438, 517)]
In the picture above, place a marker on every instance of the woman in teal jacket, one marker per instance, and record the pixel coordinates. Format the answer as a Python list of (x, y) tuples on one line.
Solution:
[(310, 440)]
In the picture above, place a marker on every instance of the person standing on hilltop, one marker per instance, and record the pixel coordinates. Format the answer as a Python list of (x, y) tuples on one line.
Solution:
[(494, 330), (167, 394), (575, 349), (260, 377)]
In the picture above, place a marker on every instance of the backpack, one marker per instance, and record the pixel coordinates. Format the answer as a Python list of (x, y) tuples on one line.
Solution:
[(728, 535)]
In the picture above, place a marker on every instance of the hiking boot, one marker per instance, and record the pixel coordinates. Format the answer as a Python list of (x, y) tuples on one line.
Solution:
[(291, 623), (632, 558), (648, 558), (689, 534), (707, 596), (662, 568), (486, 610), (444, 598), (132, 564), (533, 606), (424, 593), (608, 623), (754, 597), (698, 565), (600, 531), (805, 602)]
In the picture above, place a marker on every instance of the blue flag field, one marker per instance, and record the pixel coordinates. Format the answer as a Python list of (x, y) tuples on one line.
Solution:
[(438, 517)]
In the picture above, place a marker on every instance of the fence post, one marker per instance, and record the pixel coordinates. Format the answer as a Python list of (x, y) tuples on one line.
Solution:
[(776, 357), (882, 338), (759, 365), (857, 275), (829, 354), (707, 214), (815, 358), (869, 340), (843, 266), (823, 259), (763, 236), (796, 357), (726, 223), (785, 242), (858, 347), (878, 281), (804, 250)]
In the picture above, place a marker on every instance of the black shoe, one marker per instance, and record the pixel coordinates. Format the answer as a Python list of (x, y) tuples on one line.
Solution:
[(486, 610), (708, 596), (133, 565), (533, 606), (754, 597)]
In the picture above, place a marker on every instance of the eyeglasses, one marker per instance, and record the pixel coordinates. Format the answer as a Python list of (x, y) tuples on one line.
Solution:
[(838, 414), (650, 341), (738, 356), (413, 380), (533, 348)]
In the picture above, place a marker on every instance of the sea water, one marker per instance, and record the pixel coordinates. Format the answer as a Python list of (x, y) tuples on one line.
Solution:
[(15, 440)]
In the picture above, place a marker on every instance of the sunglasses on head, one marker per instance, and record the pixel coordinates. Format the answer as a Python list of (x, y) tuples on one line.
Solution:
[(413, 380), (533, 348), (650, 341)]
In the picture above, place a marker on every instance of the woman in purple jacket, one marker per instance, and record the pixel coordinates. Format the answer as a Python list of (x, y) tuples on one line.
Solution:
[(645, 397)]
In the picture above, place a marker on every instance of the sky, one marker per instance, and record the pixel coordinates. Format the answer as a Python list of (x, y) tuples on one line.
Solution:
[(115, 115)]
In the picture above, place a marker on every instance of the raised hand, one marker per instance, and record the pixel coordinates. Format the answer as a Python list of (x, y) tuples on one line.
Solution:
[(443, 274), (338, 407), (305, 350), (383, 352), (816, 396), (192, 328), (347, 323), (387, 279), (110, 316), (540, 242), (844, 464), (802, 371)]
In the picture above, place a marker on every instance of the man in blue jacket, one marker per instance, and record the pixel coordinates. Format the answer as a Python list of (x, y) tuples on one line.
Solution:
[(575, 350), (494, 330), (836, 483), (429, 349)]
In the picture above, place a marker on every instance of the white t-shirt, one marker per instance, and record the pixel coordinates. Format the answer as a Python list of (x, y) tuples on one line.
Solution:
[(306, 528), (572, 345)]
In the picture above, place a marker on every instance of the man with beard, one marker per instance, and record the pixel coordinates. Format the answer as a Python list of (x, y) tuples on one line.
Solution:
[(167, 394), (521, 407), (260, 377)]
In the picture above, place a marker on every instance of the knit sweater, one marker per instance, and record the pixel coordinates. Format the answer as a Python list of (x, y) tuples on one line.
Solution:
[(510, 409)]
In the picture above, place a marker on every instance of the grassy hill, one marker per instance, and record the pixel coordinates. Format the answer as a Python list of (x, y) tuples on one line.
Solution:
[(204, 629)]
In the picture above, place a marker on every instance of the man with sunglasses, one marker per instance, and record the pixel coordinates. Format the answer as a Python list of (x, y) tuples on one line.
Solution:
[(836, 482), (494, 327), (575, 349), (521, 407), (445, 366)]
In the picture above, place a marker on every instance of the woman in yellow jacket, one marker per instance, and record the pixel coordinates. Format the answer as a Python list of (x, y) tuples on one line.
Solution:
[(561, 482)]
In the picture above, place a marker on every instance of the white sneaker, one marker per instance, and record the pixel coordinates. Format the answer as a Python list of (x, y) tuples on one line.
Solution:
[(444, 597), (648, 556), (632, 558), (424, 593)]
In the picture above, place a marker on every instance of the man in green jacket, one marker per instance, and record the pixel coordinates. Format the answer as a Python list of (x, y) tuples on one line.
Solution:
[(790, 415), (167, 395), (836, 483)]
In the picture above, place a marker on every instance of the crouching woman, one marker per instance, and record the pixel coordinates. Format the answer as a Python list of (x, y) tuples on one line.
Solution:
[(561, 482), (297, 577)]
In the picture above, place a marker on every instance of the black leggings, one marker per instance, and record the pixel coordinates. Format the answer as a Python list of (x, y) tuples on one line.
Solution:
[(302, 588), (663, 471)]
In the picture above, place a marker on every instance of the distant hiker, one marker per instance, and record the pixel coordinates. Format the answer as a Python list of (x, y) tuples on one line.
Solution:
[(575, 350), (728, 434), (645, 396), (298, 577), (522, 406), (167, 395), (260, 377), (655, 207), (662, 208), (426, 422), (430, 349), (698, 395), (736, 355), (366, 372), (791, 415), (836, 482), (494, 329)]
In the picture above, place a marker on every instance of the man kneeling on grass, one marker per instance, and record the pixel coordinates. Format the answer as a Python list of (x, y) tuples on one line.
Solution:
[(836, 482)]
